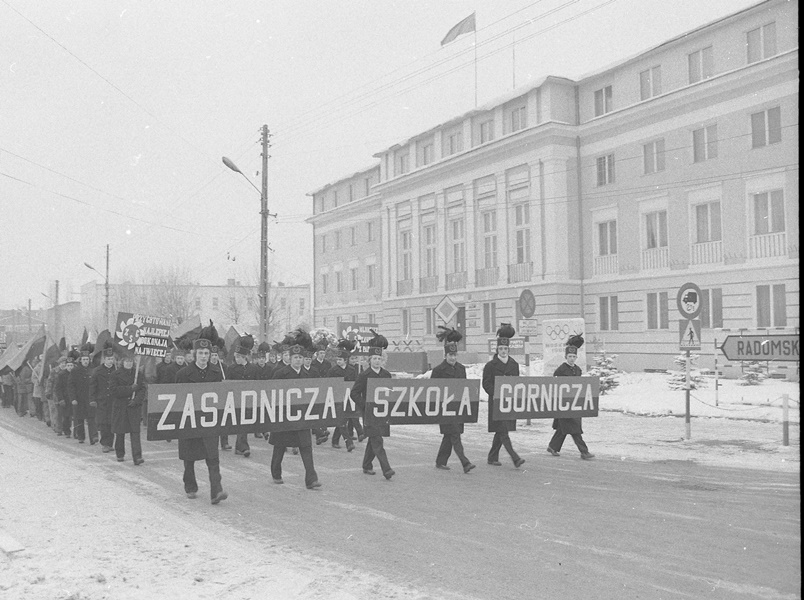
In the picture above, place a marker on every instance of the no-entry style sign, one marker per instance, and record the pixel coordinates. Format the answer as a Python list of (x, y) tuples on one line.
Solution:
[(689, 300), (761, 347)]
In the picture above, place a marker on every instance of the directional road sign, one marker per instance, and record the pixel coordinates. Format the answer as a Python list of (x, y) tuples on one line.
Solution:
[(783, 347), (516, 345), (689, 334), (527, 327), (689, 300)]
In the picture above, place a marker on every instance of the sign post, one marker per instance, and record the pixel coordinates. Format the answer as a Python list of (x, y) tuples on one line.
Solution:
[(781, 347), (689, 305)]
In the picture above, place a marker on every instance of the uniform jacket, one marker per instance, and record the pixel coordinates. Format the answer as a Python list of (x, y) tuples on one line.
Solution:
[(169, 373), (237, 372), (62, 392), (348, 373), (36, 379), (204, 446), (78, 389), (320, 369), (24, 383), (162, 370), (447, 371), (359, 397), (493, 369), (300, 438), (100, 391), (125, 418), (568, 426), (262, 373)]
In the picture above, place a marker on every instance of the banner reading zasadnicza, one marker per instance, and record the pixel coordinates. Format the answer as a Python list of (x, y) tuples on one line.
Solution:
[(143, 334), (421, 401), (185, 410), (545, 398)]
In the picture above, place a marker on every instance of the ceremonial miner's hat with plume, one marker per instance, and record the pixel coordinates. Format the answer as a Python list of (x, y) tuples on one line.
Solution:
[(450, 337), (376, 344), (108, 348), (203, 341), (300, 341), (87, 349), (345, 348), (264, 348), (216, 342), (73, 355), (575, 342), (504, 334), (244, 344)]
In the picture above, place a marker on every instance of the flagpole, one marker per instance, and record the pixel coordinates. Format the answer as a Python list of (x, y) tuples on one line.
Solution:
[(513, 59), (475, 45)]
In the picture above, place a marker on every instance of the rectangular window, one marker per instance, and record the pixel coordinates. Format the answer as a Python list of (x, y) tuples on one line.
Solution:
[(371, 271), (335, 198), (766, 127), (650, 83), (607, 238), (301, 306), (603, 103), (406, 255), (324, 244), (353, 278), (353, 235), (351, 192), (458, 247), (372, 318), (369, 231), (429, 321), (701, 64), (771, 305), (214, 304), (704, 143), (489, 239), (609, 313), (769, 212), (707, 223), (517, 119), (656, 230), (453, 143), (658, 317), (405, 322), (486, 131), (402, 163), (653, 156), (430, 255), (367, 186), (425, 153), (711, 308), (198, 303), (761, 43), (337, 240), (489, 317), (605, 169), (338, 281), (324, 283), (522, 232)]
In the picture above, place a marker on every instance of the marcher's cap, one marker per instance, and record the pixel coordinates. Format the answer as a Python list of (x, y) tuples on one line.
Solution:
[(108, 348), (575, 342), (202, 344), (87, 349), (504, 334), (296, 349), (244, 344), (450, 337), (321, 344), (264, 348), (73, 355), (376, 344), (62, 360), (345, 348)]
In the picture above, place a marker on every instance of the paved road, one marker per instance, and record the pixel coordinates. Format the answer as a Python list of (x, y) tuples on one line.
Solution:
[(558, 527)]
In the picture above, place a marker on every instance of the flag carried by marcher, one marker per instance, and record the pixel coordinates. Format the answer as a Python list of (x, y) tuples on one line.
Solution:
[(465, 26)]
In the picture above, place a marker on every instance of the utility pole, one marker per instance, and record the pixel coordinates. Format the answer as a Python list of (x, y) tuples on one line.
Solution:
[(29, 317), (264, 239), (56, 311), (106, 306)]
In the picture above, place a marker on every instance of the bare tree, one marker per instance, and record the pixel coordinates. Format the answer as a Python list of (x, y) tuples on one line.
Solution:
[(172, 291)]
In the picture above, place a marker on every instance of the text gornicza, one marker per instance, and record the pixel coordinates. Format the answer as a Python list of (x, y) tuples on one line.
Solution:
[(545, 397)]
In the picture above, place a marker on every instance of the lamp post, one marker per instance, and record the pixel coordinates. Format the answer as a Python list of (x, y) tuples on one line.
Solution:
[(264, 214), (106, 286)]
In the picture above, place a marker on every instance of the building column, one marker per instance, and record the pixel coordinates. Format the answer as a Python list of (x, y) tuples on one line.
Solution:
[(470, 235), (415, 243), (503, 229)]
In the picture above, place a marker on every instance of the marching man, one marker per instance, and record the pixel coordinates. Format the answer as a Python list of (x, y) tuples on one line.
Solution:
[(565, 427)]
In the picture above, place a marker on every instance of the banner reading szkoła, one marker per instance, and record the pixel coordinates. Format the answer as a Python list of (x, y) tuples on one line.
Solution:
[(421, 401)]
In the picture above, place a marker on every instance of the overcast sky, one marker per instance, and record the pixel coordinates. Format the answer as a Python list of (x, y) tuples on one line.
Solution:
[(114, 115)]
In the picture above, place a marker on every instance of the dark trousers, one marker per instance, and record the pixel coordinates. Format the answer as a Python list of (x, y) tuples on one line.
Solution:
[(306, 452), (8, 396), (214, 468), (450, 441), (37, 402), (558, 441), (65, 418), (502, 439), (120, 445), (347, 430), (225, 441), (78, 426), (21, 403), (241, 443), (107, 438), (375, 447)]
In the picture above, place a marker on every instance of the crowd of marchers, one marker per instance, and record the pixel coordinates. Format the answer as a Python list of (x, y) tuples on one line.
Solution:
[(105, 402)]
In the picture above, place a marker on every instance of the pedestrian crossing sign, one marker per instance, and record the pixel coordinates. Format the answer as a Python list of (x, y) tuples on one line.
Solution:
[(689, 334)]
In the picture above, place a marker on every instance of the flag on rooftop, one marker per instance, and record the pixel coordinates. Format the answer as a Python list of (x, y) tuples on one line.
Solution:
[(465, 26)]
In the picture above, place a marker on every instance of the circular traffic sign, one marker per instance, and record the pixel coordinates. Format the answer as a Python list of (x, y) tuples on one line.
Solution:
[(689, 300), (527, 303)]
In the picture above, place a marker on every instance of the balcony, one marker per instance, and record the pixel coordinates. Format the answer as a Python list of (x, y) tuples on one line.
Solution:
[(520, 272), (706, 253), (487, 277), (404, 287), (428, 285), (654, 258), (456, 281), (607, 265), (767, 245)]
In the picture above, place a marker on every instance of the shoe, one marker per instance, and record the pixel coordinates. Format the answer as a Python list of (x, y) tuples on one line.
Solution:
[(442, 467), (294, 451), (120, 459), (314, 486), (258, 436), (105, 448), (80, 441), (320, 440), (337, 446), (192, 495), (244, 453), (221, 496), (361, 437), (519, 462), (389, 474), (277, 481), (350, 446), (138, 461), (495, 463), (226, 447), (468, 468), (587, 455), (369, 471), (93, 442), (553, 452)]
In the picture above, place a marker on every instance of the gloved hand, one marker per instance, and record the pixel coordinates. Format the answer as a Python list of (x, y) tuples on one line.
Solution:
[(75, 402), (93, 404)]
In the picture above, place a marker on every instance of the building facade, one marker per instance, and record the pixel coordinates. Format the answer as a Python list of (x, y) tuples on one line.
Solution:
[(602, 197)]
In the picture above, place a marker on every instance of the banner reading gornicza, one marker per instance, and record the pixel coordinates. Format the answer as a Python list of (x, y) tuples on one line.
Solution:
[(545, 397), (183, 410), (421, 401)]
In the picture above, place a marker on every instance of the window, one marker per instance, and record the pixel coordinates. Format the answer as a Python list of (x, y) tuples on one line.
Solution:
[(711, 308), (198, 303), (657, 311), (214, 304), (353, 278), (489, 239), (769, 212), (371, 272), (489, 317), (701, 64), (367, 186), (429, 321), (761, 43), (771, 306), (486, 131), (452, 143), (351, 192), (324, 244), (320, 202), (607, 238), (301, 306), (425, 156), (458, 246), (766, 127), (609, 314), (402, 162), (372, 318), (656, 230), (704, 143), (653, 156), (517, 119), (353, 232), (430, 260), (337, 240), (603, 102), (335, 198), (650, 83), (522, 232), (605, 169), (405, 322), (338, 281), (324, 283), (406, 258), (369, 231), (707, 223)]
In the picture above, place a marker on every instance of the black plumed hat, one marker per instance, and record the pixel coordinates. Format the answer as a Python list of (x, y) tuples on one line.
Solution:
[(504, 334), (449, 337), (575, 342), (377, 344), (244, 344), (345, 347)]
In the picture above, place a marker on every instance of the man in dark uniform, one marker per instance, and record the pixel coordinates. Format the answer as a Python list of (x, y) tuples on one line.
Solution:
[(374, 433), (101, 397), (301, 439), (343, 370), (320, 365), (128, 389), (168, 373), (261, 369), (78, 389), (565, 427), (501, 365), (239, 371), (63, 393), (203, 447), (166, 361), (450, 369)]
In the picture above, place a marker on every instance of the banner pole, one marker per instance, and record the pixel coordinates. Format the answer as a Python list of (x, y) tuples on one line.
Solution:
[(687, 399), (785, 421)]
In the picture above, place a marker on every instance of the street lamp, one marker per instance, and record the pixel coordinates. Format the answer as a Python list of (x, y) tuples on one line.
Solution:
[(106, 286)]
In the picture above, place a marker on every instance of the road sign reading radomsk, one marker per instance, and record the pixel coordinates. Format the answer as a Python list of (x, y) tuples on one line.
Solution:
[(761, 347)]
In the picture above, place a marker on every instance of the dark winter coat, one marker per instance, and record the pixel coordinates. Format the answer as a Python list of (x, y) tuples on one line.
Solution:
[(237, 372), (493, 369), (298, 438), (320, 369), (78, 389), (203, 446), (568, 426), (447, 371), (100, 392), (127, 405), (62, 391), (24, 383), (348, 373), (259, 373), (359, 396), (162, 373)]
